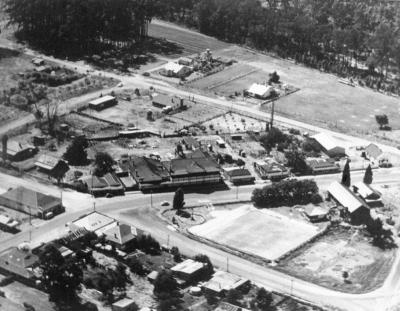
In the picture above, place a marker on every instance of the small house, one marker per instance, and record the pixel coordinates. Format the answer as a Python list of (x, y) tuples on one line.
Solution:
[(52, 166), (102, 102), (315, 213), (38, 61), (19, 261), (260, 91), (125, 304), (322, 166), (176, 70), (185, 61), (373, 152), (328, 145), (237, 175), (20, 151), (188, 271), (272, 170), (371, 196), (222, 282)]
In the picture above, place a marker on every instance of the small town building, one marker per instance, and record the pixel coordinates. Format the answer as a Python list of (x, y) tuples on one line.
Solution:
[(101, 186), (148, 173), (168, 103), (38, 61), (125, 304), (176, 70), (315, 213), (357, 209), (225, 306), (222, 281), (373, 152), (19, 261), (328, 145), (19, 151), (91, 222), (260, 91), (120, 234), (185, 61), (237, 175), (322, 166), (102, 102), (39, 140), (52, 166), (152, 276), (371, 196), (32, 203), (8, 224), (271, 170), (188, 271)]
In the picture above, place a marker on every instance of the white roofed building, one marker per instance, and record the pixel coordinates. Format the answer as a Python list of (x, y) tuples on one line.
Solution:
[(176, 70), (260, 91), (102, 102), (356, 207), (329, 145), (188, 270), (371, 196)]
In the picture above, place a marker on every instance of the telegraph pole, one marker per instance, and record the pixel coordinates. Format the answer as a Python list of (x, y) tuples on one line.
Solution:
[(272, 114)]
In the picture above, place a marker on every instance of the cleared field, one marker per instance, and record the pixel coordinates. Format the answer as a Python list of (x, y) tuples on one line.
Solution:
[(192, 42), (259, 232), (235, 72), (198, 112), (321, 98), (341, 249)]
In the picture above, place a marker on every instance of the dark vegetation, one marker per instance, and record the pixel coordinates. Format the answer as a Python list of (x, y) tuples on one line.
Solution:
[(76, 152), (287, 193)]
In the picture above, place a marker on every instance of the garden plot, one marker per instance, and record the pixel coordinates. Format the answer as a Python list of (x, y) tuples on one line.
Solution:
[(341, 249), (234, 123), (259, 232)]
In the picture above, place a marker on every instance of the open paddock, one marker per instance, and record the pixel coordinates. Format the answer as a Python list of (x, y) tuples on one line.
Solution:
[(259, 232), (198, 112), (191, 42), (234, 123), (341, 249)]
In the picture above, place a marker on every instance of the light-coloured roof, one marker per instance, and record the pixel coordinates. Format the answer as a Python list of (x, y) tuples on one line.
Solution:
[(13, 147), (94, 221), (345, 197), (174, 67), (188, 266), (47, 161), (373, 151), (326, 141), (101, 100), (222, 280), (259, 89), (365, 190), (123, 303), (119, 233), (315, 211)]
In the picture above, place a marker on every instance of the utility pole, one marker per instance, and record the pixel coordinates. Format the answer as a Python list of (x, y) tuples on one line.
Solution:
[(272, 114), (237, 192), (168, 241), (151, 198), (227, 264), (291, 287)]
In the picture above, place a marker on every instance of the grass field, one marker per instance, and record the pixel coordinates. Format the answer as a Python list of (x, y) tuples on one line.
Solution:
[(259, 232), (191, 42), (341, 249), (321, 98)]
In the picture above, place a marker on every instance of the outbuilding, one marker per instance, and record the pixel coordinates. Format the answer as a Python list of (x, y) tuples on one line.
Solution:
[(102, 102), (329, 145), (260, 91)]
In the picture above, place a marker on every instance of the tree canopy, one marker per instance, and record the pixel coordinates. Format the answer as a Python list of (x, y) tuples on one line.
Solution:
[(59, 25), (76, 152), (179, 200), (104, 163), (368, 175), (346, 179)]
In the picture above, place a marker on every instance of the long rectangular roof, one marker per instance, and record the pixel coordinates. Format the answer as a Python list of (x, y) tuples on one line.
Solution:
[(102, 100), (188, 266), (365, 190), (259, 89), (345, 197), (326, 141), (93, 221)]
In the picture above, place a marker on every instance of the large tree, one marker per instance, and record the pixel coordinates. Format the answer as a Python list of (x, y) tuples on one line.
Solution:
[(60, 277), (179, 199), (368, 175), (346, 179), (104, 163), (76, 152)]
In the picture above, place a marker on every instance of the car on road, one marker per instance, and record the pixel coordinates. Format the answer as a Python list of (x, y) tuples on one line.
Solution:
[(164, 203)]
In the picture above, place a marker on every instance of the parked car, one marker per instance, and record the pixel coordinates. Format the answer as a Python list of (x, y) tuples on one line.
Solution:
[(164, 203)]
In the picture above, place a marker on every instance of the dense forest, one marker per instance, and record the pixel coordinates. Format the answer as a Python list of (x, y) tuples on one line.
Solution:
[(76, 25), (359, 39)]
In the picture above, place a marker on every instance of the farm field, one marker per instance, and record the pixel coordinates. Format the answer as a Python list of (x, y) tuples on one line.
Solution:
[(341, 249), (322, 99), (192, 42), (259, 232), (220, 79)]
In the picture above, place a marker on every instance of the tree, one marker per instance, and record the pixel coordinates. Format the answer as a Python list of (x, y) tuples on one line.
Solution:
[(136, 266), (273, 137), (368, 175), (60, 277), (165, 283), (76, 152), (264, 300), (274, 77), (382, 120), (346, 180), (177, 255), (233, 296), (179, 200), (382, 238), (104, 163), (296, 160), (209, 269)]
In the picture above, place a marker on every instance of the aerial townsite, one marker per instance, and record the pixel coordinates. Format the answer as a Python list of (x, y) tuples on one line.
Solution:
[(228, 155)]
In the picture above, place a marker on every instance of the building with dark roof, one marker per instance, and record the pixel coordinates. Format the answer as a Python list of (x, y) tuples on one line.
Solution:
[(19, 262), (237, 175), (52, 166), (322, 166), (31, 202), (190, 143), (102, 102), (271, 170), (100, 186), (19, 151)]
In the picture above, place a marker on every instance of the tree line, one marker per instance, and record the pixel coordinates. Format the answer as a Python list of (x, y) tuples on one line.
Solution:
[(82, 25), (357, 39)]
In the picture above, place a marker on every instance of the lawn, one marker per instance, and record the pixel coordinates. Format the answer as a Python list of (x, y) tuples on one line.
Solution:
[(259, 232), (341, 249), (191, 42)]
